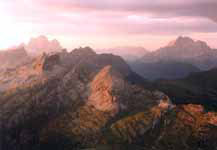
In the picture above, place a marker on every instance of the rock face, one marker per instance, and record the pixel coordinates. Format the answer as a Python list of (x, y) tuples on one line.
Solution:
[(41, 44), (103, 84), (82, 99)]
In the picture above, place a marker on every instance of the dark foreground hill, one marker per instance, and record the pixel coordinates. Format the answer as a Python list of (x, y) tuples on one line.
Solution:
[(82, 100), (164, 69), (198, 88)]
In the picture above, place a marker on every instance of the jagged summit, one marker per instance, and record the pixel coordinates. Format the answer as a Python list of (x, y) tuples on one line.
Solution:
[(181, 40), (184, 39), (187, 42), (83, 51), (38, 45), (182, 49), (176, 60)]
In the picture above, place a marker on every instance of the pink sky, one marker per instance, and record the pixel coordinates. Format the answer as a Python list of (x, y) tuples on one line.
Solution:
[(106, 23)]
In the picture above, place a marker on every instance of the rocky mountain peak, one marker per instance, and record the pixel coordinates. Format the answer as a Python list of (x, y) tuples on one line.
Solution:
[(85, 51), (180, 41), (182, 49), (38, 45), (184, 39), (188, 43)]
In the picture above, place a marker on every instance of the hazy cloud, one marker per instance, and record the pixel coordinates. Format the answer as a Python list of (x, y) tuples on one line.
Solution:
[(157, 8), (105, 17)]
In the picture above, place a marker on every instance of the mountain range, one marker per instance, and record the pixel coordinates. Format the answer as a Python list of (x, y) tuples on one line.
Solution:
[(176, 60), (83, 100), (182, 49), (80, 99)]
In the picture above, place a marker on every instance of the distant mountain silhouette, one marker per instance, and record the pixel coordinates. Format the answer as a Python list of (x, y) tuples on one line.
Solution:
[(183, 48), (128, 53), (163, 69), (38, 45), (176, 60)]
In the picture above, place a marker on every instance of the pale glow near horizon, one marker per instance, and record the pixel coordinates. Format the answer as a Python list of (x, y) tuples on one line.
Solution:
[(12, 33), (103, 25)]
